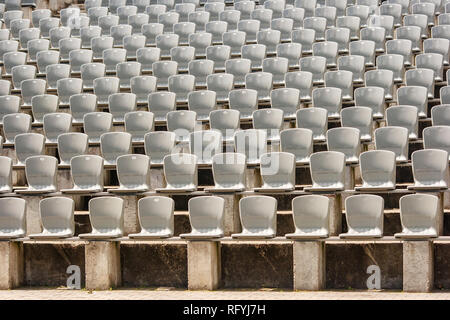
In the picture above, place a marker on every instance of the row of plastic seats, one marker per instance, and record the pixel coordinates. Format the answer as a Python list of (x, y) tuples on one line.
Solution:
[(311, 214)]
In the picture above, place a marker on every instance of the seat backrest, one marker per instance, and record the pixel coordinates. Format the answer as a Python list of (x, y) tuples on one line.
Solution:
[(87, 172), (156, 214), (419, 212), (311, 212), (106, 214), (13, 215), (394, 139), (364, 212), (114, 144), (133, 171), (6, 183), (70, 145), (180, 171), (327, 169), (378, 168), (278, 170), (229, 170), (258, 214), (345, 140), (158, 144), (252, 143), (205, 144), (206, 214), (57, 215), (41, 172), (430, 168)]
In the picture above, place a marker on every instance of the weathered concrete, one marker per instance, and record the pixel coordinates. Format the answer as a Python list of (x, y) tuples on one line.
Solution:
[(335, 222), (232, 222), (204, 265), (130, 215), (33, 217), (349, 177), (440, 215), (64, 179), (252, 177), (309, 265), (102, 263), (157, 179), (11, 264), (418, 266)]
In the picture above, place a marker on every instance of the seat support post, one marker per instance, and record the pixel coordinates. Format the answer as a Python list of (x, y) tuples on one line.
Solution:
[(204, 265), (309, 265), (33, 217), (11, 264), (102, 265), (335, 223), (418, 265)]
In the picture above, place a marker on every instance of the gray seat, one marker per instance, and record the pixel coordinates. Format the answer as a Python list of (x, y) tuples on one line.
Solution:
[(161, 103), (430, 169), (432, 61), (97, 123), (261, 82), (120, 104), (79, 57), (378, 170), (5, 87), (43, 104), (328, 98), (440, 115), (315, 119), (182, 122), (219, 54), (252, 143), (268, 38), (90, 72), (206, 215), (393, 139), (118, 32), (226, 122), (201, 69), (127, 70), (104, 87), (414, 96), (133, 172), (437, 45), (258, 217), (419, 216), (10, 104), (301, 80), (12, 59), (354, 64), (80, 104), (21, 73), (70, 145), (290, 51), (269, 120), (67, 87), (56, 124), (99, 44), (28, 145), (365, 48), (235, 40), (56, 72), (158, 144), (287, 100), (12, 218), (228, 172), (112, 57), (311, 215), (328, 50), (113, 145), (31, 88), (231, 17), (299, 142), (404, 116), (8, 46), (181, 85), (106, 217), (183, 56), (318, 24), (205, 144), (345, 140), (156, 218), (421, 77), (277, 172), (255, 53), (41, 172), (381, 78), (436, 137), (87, 174), (180, 173), (278, 67), (372, 97), (57, 34), (316, 65), (202, 102), (14, 124), (364, 215), (239, 69), (139, 123), (327, 171), (162, 70), (359, 118), (305, 37), (146, 57), (200, 18), (6, 182)]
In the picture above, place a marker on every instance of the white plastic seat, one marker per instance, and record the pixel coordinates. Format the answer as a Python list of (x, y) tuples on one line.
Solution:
[(228, 172), (377, 170), (245, 101), (219, 54), (28, 34), (365, 48), (315, 119), (127, 70), (404, 116), (181, 122), (67, 87), (183, 9), (12, 218), (235, 40), (205, 144), (442, 31), (132, 43), (90, 72), (21, 73), (94, 13), (151, 31), (180, 173), (340, 79), (318, 24), (401, 47), (393, 62), (183, 30), (269, 38), (394, 10), (285, 26), (80, 104), (327, 12), (97, 123), (153, 10), (124, 12), (136, 22), (133, 172), (256, 53), (290, 51), (339, 35), (56, 72), (352, 23), (6, 167), (46, 58), (56, 124), (299, 142), (435, 137), (296, 14), (142, 86), (245, 8), (216, 29), (305, 37), (201, 69), (393, 139), (437, 45), (411, 33), (316, 65), (27, 145), (364, 216), (258, 217), (181, 85), (16, 25), (277, 172), (38, 14), (162, 70), (200, 41), (65, 47), (433, 61), (14, 124), (160, 103), (158, 144), (261, 82), (414, 96), (422, 78), (301, 80), (252, 143), (221, 84), (56, 34), (381, 78), (345, 140), (328, 98), (418, 215), (214, 9), (200, 19), (118, 32), (226, 122), (231, 17), (67, 14), (146, 57), (43, 104), (36, 45), (359, 118), (78, 58), (70, 145), (440, 115), (307, 5), (425, 8), (138, 124), (155, 218), (202, 103), (287, 100), (31, 88), (250, 27), (430, 169), (45, 25), (278, 67), (121, 103), (113, 145), (182, 55), (12, 59), (10, 104), (41, 172), (106, 215), (168, 19), (104, 87), (87, 174), (375, 34), (269, 120), (264, 16)]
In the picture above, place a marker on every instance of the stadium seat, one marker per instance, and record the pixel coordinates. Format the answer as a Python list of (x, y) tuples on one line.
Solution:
[(440, 115), (345, 140), (14, 124), (6, 167), (112, 57), (202, 102), (287, 100), (113, 145), (235, 40), (393, 139), (277, 172), (182, 122), (12, 218), (21, 73), (70, 145), (252, 143), (327, 171), (204, 144), (226, 122), (104, 87), (151, 31), (406, 117), (264, 16), (79, 57), (316, 65), (158, 144), (365, 48), (41, 172), (97, 123), (180, 173), (377, 170), (55, 124), (56, 72), (10, 104), (146, 57), (219, 54), (328, 98), (133, 172), (318, 24), (87, 174), (90, 72), (430, 169), (138, 123), (27, 145), (221, 84), (228, 172), (305, 37)]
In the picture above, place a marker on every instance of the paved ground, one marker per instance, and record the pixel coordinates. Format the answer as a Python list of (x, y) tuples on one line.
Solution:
[(167, 294)]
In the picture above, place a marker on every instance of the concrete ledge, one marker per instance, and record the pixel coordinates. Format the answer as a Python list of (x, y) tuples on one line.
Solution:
[(309, 265), (203, 265), (418, 266), (11, 264), (102, 260)]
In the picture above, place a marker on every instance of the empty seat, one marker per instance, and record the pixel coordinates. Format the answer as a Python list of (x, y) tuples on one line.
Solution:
[(200, 41), (42, 105), (221, 84), (5, 87), (318, 24), (269, 38), (90, 72), (87, 174), (219, 54), (311, 214), (245, 101), (118, 32), (327, 12), (350, 22), (286, 99), (80, 104), (182, 123), (133, 172), (419, 216), (38, 14), (56, 34), (228, 172), (104, 87), (214, 9), (12, 218), (305, 37), (393, 62), (401, 47), (112, 57), (127, 70), (158, 144), (151, 31), (301, 80), (296, 14), (328, 98), (97, 123), (264, 16), (261, 82), (132, 43), (299, 142), (235, 40), (27, 145), (255, 53), (200, 18), (393, 139), (34, 46), (113, 145), (316, 65), (181, 85), (120, 104), (328, 50), (138, 123), (225, 121), (12, 59), (155, 218), (202, 102), (21, 73), (414, 96), (315, 119), (162, 70), (56, 124), (381, 78), (258, 217), (46, 58), (46, 24), (205, 144), (250, 27), (285, 26), (430, 169), (180, 172), (31, 88), (339, 35), (435, 137), (378, 170), (345, 140), (437, 45), (231, 17), (308, 6), (364, 216), (277, 172), (440, 115), (421, 77), (341, 79), (142, 86), (183, 30), (372, 97), (276, 6), (78, 58), (252, 143), (427, 9), (278, 67), (28, 34), (41, 172), (359, 118), (269, 120), (10, 104), (106, 215), (153, 10), (432, 61), (365, 48), (14, 124), (160, 103), (327, 171), (6, 167), (70, 145), (66, 46), (136, 21), (290, 51), (146, 57), (404, 116)]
